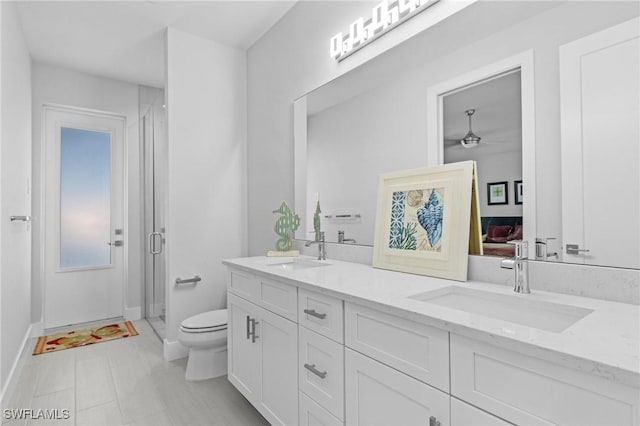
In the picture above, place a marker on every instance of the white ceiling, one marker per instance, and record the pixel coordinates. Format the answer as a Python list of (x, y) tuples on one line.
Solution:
[(497, 118), (123, 40)]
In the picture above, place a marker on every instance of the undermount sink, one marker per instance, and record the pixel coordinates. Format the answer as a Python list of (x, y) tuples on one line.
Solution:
[(295, 264), (538, 314)]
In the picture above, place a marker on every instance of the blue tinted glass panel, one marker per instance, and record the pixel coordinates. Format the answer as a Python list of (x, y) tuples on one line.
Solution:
[(85, 198)]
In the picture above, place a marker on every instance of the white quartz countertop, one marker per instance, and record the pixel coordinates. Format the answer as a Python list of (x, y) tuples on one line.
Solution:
[(605, 342)]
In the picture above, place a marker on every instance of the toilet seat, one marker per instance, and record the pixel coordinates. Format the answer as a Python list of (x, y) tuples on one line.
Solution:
[(205, 322)]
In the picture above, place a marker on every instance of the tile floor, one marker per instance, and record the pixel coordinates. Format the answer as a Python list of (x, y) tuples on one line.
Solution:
[(125, 382)]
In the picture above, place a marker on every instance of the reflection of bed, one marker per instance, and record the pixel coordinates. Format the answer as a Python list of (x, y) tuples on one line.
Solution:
[(497, 231)]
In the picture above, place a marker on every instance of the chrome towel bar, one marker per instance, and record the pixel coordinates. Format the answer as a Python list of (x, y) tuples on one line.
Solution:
[(193, 280)]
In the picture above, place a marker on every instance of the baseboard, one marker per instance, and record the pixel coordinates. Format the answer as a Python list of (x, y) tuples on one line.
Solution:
[(133, 314), (37, 329), (174, 350), (12, 379)]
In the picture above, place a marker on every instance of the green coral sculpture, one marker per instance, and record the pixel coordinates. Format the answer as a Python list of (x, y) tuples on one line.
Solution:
[(316, 221), (288, 222)]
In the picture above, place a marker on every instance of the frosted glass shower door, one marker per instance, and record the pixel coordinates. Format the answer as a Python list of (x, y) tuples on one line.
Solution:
[(84, 217)]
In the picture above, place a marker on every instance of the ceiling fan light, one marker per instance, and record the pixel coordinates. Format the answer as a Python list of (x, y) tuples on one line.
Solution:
[(470, 141)]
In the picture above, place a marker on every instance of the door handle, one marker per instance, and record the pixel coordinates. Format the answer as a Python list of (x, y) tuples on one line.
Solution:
[(151, 242), (575, 249), (22, 218), (116, 243)]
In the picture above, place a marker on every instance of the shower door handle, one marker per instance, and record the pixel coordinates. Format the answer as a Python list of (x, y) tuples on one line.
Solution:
[(152, 241)]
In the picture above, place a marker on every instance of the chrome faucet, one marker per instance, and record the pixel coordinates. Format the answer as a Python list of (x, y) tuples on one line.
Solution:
[(321, 249), (342, 239), (520, 264)]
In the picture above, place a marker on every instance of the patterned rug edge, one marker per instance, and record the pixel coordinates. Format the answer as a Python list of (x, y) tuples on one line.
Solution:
[(42, 340)]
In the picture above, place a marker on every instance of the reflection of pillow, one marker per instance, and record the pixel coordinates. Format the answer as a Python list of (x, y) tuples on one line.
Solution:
[(497, 233), (516, 234)]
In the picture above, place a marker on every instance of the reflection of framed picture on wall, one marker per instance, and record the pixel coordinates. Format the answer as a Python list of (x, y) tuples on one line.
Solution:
[(497, 193), (517, 190)]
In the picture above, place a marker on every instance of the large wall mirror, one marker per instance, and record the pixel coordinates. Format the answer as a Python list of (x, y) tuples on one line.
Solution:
[(506, 89)]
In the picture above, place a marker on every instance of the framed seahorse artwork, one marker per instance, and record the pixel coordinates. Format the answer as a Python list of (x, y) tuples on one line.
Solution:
[(427, 221)]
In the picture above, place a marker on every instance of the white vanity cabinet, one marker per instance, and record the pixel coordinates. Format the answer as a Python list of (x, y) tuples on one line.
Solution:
[(529, 391), (321, 358), (310, 357), (377, 394), (263, 350)]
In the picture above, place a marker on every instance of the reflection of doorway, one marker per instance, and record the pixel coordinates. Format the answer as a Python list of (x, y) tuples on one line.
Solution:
[(84, 216), (474, 90), (599, 109)]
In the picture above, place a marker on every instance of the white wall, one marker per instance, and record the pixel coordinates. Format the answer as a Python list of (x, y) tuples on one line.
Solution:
[(206, 198), (15, 174), (55, 85), (276, 80)]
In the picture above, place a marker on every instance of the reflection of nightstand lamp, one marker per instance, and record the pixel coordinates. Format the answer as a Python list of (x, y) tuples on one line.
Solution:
[(471, 140)]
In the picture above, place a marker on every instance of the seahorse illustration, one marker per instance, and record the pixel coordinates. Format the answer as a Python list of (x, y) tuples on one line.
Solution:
[(289, 221)]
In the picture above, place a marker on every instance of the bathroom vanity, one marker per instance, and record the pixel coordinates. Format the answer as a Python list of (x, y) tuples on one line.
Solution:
[(327, 343)]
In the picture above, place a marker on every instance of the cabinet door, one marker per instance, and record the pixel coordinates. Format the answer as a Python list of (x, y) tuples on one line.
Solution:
[(529, 391), (312, 414), (379, 395), (243, 355), (463, 414), (278, 341)]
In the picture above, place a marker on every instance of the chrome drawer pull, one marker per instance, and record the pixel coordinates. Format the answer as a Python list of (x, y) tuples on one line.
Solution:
[(253, 329), (313, 313), (312, 368), (248, 327)]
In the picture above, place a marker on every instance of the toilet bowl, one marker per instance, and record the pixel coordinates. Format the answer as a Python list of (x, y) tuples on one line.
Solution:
[(205, 335)]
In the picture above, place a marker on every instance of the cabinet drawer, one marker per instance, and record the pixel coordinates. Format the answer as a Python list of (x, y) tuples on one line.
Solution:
[(527, 390), (379, 395), (321, 370), (463, 414), (243, 284), (279, 298), (312, 414), (322, 314), (416, 349)]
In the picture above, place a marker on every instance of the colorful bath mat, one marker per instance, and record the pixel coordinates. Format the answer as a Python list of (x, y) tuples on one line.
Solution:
[(74, 339)]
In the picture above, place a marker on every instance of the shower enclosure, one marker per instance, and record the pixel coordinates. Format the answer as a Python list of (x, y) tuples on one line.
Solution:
[(154, 154)]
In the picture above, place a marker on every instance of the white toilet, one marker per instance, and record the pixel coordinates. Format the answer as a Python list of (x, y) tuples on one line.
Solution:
[(205, 335)]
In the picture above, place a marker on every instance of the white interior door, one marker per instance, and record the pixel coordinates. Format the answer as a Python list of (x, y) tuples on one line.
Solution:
[(600, 118), (84, 216)]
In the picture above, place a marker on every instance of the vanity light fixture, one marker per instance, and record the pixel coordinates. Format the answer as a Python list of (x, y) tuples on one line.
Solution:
[(471, 140), (385, 16)]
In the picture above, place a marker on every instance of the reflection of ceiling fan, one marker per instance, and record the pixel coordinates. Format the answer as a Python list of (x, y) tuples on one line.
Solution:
[(471, 140)]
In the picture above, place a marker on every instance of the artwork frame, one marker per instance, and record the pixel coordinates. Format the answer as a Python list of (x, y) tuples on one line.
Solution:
[(497, 193), (424, 220), (518, 192)]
